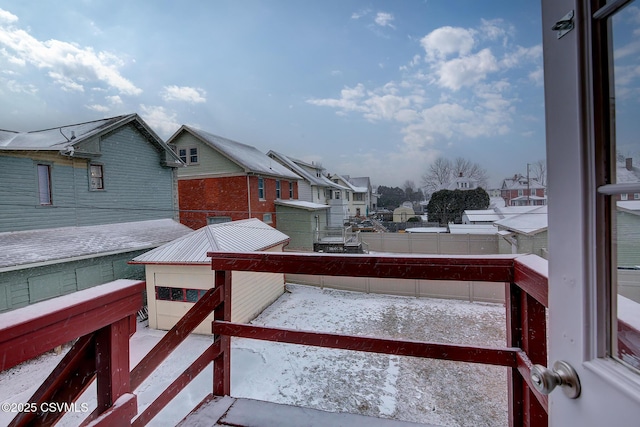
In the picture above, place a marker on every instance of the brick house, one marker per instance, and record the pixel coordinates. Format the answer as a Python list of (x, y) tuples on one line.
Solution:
[(523, 191), (226, 181)]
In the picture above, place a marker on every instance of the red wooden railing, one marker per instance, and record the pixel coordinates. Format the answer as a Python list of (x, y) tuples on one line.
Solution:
[(108, 315)]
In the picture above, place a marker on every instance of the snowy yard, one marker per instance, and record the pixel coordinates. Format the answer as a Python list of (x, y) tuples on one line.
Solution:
[(411, 389)]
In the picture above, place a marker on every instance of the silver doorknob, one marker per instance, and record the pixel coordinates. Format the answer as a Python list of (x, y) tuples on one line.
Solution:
[(562, 374)]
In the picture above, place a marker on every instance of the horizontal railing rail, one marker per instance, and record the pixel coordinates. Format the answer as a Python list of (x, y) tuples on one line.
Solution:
[(526, 295)]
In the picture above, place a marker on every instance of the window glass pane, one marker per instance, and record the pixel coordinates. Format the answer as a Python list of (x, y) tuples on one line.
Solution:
[(625, 106), (182, 153), (193, 155), (163, 293), (192, 295), (177, 294), (96, 177), (44, 185)]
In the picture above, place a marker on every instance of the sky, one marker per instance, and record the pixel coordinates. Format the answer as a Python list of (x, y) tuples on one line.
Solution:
[(366, 88)]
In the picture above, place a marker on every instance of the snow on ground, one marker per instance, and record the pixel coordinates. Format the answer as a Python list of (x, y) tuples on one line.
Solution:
[(411, 389)]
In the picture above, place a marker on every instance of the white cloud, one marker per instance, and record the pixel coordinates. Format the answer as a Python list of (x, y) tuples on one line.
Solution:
[(114, 100), (16, 87), (466, 71), (184, 93), (360, 14), (446, 41), (384, 19), (98, 108), (67, 84), (163, 121), (7, 17), (70, 65)]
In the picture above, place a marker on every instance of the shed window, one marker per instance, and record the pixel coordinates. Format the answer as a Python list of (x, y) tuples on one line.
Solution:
[(165, 293), (44, 184), (96, 177)]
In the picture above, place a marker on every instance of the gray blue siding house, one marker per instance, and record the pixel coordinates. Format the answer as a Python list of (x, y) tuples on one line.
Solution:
[(79, 201)]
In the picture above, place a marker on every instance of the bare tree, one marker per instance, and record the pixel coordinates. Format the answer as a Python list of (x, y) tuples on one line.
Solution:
[(438, 175), (443, 171), (538, 170)]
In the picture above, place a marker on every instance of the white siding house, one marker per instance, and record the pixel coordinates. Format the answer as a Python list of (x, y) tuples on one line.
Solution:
[(179, 272)]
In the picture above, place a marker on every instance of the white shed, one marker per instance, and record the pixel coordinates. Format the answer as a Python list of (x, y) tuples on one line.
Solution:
[(179, 272)]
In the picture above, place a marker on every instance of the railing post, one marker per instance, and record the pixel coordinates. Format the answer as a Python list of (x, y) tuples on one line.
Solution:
[(222, 363), (112, 363), (527, 329)]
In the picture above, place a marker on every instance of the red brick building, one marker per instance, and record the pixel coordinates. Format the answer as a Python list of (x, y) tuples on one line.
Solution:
[(225, 180)]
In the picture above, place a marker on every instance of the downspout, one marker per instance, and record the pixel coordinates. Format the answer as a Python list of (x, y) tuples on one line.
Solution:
[(249, 195)]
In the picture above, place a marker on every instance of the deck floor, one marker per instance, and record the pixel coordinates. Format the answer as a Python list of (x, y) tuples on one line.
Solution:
[(230, 411)]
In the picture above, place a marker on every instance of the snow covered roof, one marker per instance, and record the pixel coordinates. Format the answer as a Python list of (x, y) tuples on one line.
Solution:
[(519, 182), (350, 185), (24, 249), (301, 204), (249, 158), (427, 230), (301, 168), (532, 222), (67, 138), (484, 215), (632, 206), (472, 229), (235, 236), (626, 175)]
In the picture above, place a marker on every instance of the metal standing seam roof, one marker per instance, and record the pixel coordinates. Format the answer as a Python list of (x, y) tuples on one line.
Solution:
[(235, 236), (249, 158), (23, 249)]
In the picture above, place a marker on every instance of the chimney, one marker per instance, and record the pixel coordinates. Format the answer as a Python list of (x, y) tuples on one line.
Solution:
[(629, 163)]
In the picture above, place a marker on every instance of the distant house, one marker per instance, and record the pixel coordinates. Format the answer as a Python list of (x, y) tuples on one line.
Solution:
[(523, 191), (315, 187), (78, 202), (225, 180), (179, 273), (364, 199), (524, 233), (627, 173)]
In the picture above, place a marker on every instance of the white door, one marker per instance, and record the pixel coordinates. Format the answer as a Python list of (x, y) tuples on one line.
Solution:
[(592, 93)]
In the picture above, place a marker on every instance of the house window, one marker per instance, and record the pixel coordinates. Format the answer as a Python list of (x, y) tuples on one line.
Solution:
[(95, 176), (193, 155), (266, 218), (347, 193), (338, 195), (291, 189), (636, 196), (261, 188), (520, 193), (624, 196), (218, 219), (278, 189), (189, 155), (44, 184)]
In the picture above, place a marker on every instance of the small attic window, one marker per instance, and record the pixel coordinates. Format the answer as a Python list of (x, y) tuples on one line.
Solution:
[(188, 155)]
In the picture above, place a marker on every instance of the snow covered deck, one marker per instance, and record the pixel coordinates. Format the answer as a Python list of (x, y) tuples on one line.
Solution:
[(229, 411), (103, 354)]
